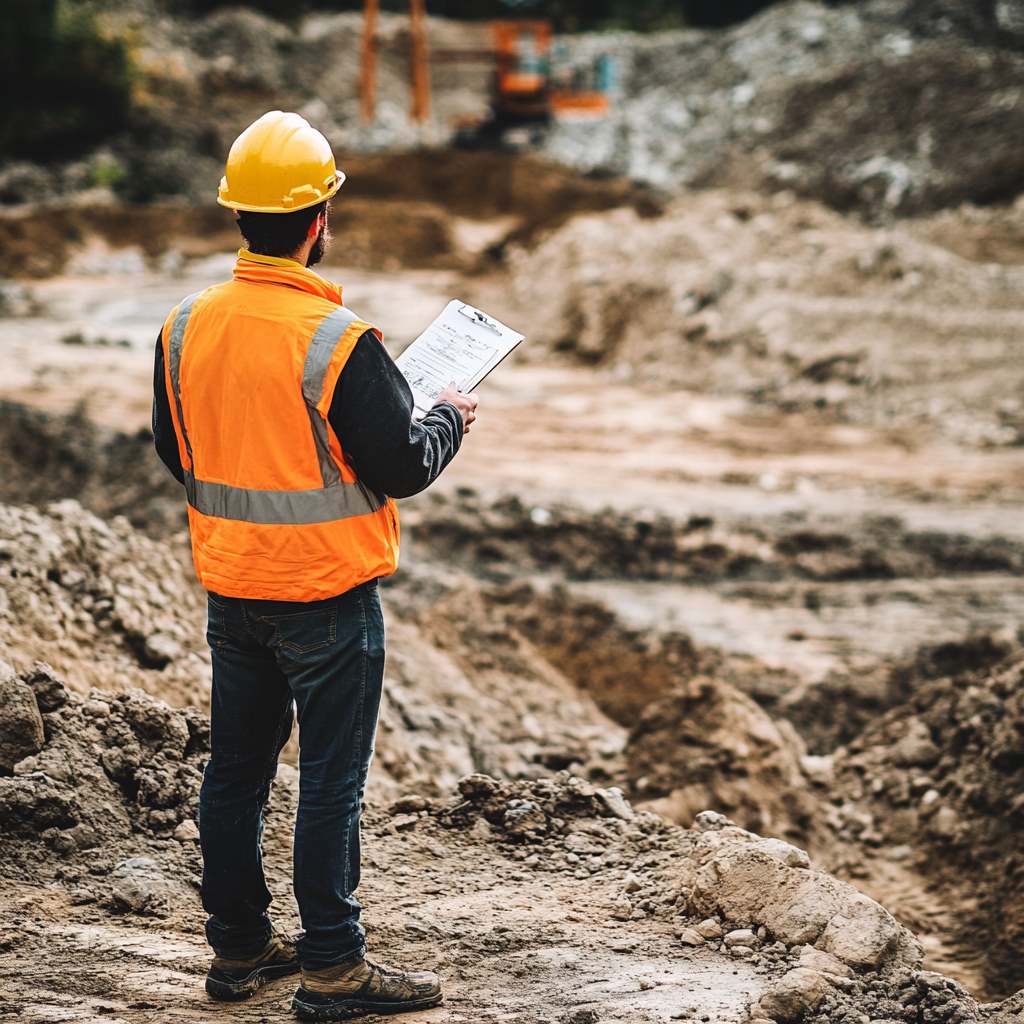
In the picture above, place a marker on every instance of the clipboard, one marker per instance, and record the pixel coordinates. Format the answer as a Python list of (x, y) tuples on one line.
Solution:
[(463, 344)]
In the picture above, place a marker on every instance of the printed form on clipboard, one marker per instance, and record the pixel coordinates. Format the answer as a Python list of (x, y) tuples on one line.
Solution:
[(462, 345)]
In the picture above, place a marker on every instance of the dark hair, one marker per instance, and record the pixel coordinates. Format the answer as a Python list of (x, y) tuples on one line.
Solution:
[(277, 234)]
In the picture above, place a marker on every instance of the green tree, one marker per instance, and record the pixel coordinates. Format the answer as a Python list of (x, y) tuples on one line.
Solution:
[(64, 86)]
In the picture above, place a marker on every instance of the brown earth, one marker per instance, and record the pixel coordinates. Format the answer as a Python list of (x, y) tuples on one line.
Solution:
[(554, 878), (669, 563)]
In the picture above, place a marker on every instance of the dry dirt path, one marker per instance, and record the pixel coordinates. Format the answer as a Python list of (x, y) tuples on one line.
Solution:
[(513, 945)]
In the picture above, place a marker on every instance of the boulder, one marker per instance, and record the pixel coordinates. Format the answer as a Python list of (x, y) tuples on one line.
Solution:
[(796, 992), (735, 879)]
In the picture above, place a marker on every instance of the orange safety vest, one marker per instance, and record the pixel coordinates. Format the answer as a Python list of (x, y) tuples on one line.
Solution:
[(275, 510)]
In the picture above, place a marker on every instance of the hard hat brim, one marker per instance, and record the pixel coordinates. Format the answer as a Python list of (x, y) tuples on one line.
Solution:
[(250, 208)]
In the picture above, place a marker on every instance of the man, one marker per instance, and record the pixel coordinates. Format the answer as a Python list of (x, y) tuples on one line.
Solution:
[(291, 429)]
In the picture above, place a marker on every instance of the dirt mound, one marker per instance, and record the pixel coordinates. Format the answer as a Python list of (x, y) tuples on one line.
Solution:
[(105, 779), (780, 304), (103, 604), (943, 775), (96, 816), (705, 744), (860, 105)]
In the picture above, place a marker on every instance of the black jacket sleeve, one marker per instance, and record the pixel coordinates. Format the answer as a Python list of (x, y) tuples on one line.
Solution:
[(164, 438), (371, 412)]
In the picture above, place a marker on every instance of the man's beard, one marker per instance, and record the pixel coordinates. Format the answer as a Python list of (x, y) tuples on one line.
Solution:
[(316, 253)]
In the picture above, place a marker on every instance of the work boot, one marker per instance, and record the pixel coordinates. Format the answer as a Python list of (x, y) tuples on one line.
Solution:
[(231, 980), (358, 987)]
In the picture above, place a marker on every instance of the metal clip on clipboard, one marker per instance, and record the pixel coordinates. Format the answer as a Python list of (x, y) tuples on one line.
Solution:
[(478, 318)]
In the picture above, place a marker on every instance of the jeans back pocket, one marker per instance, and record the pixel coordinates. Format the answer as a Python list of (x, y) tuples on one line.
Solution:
[(299, 633)]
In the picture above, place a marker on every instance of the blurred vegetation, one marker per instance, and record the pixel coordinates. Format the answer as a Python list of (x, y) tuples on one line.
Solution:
[(567, 15), (64, 86)]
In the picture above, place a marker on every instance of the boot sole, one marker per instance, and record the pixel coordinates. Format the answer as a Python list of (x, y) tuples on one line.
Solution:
[(346, 1009), (234, 990)]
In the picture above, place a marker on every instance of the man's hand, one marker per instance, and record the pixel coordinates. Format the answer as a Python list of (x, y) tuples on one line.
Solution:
[(466, 404)]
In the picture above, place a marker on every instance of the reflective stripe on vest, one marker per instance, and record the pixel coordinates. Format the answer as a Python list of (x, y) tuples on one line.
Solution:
[(335, 500)]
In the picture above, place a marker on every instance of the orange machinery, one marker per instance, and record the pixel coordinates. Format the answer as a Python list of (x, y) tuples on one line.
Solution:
[(530, 84)]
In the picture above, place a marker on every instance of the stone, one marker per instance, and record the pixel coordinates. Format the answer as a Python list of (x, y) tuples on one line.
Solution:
[(409, 804), (710, 928), (790, 855), (711, 821), (824, 963), (615, 803), (138, 885), (863, 934), (187, 831), (796, 992), (49, 690), (916, 747), (737, 881), (21, 725), (740, 937), (691, 937)]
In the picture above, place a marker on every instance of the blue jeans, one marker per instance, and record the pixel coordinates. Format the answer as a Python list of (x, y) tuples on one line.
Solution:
[(327, 659)]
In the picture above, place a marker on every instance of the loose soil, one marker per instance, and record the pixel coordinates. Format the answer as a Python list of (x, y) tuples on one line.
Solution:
[(724, 553)]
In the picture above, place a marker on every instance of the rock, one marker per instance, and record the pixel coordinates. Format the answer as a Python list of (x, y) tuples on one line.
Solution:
[(49, 690), (824, 963), (710, 928), (617, 805), (187, 831), (691, 937), (793, 994), (915, 748), (741, 937), (21, 726), (524, 818), (404, 822), (159, 650), (409, 804), (711, 821), (790, 855), (138, 885), (862, 934), (736, 880), (477, 787), (945, 822), (622, 909)]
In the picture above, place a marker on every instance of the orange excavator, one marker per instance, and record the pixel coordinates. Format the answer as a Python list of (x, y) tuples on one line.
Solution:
[(533, 82)]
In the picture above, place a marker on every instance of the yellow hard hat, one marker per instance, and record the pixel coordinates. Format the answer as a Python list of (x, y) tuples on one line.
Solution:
[(279, 164)]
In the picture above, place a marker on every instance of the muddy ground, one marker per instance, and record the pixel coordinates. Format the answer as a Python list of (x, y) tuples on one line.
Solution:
[(735, 532)]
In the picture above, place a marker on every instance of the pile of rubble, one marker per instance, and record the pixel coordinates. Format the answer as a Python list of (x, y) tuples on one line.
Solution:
[(831, 953), (942, 774), (98, 791), (862, 105), (102, 603), (781, 303)]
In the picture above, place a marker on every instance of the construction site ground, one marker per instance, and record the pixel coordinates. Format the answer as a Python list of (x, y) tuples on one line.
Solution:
[(801, 486)]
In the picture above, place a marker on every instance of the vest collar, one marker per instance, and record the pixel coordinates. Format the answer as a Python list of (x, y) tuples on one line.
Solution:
[(258, 269)]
